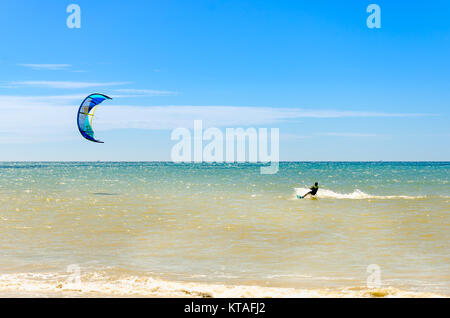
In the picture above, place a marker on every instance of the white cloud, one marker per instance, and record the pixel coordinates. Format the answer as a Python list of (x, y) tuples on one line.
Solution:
[(288, 136), (146, 92), (50, 67), (49, 118), (347, 134), (65, 84)]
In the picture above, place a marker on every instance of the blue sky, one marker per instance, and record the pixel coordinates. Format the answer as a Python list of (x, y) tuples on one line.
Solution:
[(336, 89)]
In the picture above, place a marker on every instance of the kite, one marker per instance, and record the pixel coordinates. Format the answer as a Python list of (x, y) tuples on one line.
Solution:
[(86, 114)]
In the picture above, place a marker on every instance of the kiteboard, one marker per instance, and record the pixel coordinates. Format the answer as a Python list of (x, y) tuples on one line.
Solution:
[(302, 197)]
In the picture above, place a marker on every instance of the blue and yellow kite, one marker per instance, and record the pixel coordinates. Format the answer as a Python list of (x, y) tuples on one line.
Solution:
[(86, 113)]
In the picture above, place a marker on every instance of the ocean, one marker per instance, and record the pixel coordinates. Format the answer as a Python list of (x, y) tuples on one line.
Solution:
[(158, 229)]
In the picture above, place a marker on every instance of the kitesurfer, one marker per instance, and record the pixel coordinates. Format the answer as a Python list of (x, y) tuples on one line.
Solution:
[(313, 191)]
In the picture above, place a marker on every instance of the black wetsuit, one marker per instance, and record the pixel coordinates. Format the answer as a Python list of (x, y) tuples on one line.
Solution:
[(314, 190)]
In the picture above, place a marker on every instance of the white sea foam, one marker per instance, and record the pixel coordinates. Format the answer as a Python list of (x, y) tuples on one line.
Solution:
[(99, 284), (355, 195)]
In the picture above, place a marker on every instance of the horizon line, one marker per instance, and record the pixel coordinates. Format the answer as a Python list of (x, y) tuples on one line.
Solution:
[(168, 161)]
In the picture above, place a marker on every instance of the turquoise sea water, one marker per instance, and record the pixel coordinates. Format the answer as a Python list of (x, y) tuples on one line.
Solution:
[(169, 229)]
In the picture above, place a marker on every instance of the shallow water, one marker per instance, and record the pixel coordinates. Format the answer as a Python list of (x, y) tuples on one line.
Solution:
[(163, 229)]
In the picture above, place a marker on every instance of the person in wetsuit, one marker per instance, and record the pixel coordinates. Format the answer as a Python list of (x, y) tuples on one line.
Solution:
[(313, 191)]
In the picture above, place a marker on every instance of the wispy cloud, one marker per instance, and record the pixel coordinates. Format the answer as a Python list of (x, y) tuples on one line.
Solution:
[(145, 92), (29, 102), (288, 136), (50, 67), (341, 114), (23, 119), (347, 134), (65, 84)]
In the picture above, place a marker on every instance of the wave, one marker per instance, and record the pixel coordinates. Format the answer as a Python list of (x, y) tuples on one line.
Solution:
[(100, 284), (355, 195)]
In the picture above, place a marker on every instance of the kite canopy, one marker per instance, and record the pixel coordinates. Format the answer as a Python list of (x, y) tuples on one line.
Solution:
[(86, 113)]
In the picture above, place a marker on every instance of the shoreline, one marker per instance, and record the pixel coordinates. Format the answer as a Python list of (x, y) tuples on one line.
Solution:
[(40, 285)]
